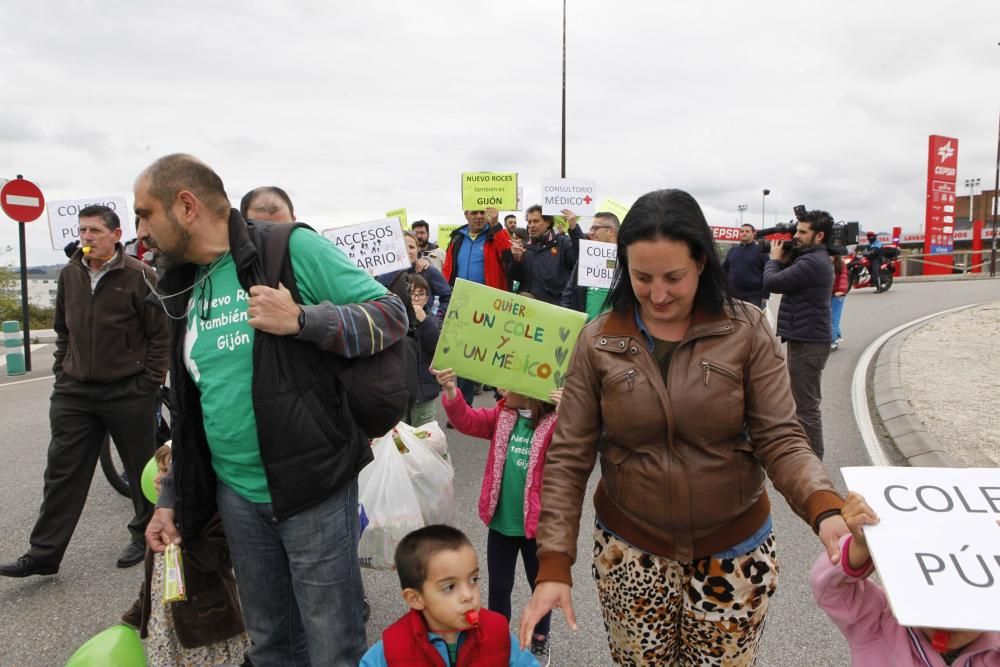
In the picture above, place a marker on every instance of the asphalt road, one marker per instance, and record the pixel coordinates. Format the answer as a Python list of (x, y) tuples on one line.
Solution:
[(44, 619)]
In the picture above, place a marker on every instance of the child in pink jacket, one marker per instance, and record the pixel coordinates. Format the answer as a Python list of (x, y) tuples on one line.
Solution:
[(860, 608), (519, 430)]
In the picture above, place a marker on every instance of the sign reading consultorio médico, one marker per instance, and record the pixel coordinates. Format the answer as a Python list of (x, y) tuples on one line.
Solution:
[(937, 544), (506, 340), (377, 247), (486, 189)]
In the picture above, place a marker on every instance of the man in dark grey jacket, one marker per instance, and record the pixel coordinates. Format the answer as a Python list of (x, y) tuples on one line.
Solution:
[(804, 278), (110, 360)]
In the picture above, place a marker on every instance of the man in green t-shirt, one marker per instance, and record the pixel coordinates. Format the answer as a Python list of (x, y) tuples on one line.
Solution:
[(262, 433), (592, 300)]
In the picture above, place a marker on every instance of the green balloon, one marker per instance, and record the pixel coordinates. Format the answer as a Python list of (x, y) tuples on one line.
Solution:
[(148, 480), (118, 646)]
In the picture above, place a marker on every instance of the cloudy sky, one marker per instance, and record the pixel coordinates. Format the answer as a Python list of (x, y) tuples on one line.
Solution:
[(356, 108)]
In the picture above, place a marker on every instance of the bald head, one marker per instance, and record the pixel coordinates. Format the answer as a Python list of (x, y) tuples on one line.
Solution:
[(179, 172), (269, 203)]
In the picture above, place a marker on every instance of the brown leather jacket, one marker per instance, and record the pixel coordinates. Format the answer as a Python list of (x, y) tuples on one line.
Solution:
[(682, 466)]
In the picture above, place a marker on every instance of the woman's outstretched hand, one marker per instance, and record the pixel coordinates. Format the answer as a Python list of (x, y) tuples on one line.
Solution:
[(547, 596)]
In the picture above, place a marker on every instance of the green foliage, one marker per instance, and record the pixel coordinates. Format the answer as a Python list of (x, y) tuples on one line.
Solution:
[(10, 303)]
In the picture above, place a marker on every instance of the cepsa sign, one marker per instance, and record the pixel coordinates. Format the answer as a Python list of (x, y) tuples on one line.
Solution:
[(726, 233)]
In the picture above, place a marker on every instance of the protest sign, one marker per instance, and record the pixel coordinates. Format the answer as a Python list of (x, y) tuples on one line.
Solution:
[(575, 194), (398, 213), (937, 544), (612, 206), (486, 189), (444, 234), (597, 264), (377, 246), (64, 218), (506, 340)]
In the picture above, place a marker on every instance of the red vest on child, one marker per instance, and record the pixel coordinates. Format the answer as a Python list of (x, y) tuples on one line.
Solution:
[(405, 643)]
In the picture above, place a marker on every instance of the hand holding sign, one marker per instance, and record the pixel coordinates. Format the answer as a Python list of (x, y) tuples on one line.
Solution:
[(857, 514), (571, 218), (448, 381), (507, 340), (936, 544)]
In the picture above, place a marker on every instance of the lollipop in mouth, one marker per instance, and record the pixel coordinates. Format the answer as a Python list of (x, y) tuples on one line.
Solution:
[(472, 617), (87, 249)]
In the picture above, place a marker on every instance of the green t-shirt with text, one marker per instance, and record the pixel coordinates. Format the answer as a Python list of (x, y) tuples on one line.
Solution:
[(218, 349), (596, 296), (509, 515)]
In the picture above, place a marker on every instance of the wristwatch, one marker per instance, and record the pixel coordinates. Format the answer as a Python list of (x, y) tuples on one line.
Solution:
[(302, 320)]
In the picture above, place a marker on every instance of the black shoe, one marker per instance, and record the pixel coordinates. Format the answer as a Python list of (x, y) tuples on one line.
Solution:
[(26, 566), (132, 554)]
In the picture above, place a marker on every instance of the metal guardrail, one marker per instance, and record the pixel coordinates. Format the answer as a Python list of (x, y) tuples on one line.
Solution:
[(960, 264)]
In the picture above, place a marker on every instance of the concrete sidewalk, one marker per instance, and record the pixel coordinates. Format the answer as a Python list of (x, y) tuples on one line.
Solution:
[(945, 378)]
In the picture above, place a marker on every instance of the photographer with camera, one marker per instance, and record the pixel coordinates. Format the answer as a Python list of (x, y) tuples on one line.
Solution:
[(802, 272)]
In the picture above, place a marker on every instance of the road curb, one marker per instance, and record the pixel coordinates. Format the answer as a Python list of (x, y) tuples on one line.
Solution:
[(904, 429)]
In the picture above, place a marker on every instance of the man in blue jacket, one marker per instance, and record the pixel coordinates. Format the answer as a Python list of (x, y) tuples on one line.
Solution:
[(805, 279), (744, 264)]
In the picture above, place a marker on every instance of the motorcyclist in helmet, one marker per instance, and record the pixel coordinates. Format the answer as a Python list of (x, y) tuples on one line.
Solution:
[(874, 254)]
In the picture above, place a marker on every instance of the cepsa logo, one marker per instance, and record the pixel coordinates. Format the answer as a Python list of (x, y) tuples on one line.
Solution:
[(943, 158)]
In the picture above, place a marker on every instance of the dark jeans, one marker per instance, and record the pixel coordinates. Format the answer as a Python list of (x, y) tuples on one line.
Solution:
[(501, 562), (299, 579), (805, 368), (80, 414)]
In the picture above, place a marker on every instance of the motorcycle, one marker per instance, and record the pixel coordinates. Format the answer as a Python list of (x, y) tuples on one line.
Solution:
[(859, 269)]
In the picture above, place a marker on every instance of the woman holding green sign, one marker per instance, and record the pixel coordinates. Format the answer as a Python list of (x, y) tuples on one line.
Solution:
[(684, 395)]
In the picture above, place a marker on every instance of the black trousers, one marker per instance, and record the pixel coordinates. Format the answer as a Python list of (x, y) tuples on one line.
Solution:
[(501, 563), (80, 413), (805, 369)]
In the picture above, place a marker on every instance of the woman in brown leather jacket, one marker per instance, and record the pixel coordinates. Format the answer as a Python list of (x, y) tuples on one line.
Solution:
[(685, 396)]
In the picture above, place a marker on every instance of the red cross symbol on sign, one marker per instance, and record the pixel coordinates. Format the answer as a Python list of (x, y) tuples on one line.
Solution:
[(587, 200)]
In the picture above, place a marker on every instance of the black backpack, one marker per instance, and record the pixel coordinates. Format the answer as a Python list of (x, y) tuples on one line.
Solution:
[(378, 387), (400, 286)]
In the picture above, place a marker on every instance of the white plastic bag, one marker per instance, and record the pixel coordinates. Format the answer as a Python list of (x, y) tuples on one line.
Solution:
[(386, 495), (433, 436), (431, 474)]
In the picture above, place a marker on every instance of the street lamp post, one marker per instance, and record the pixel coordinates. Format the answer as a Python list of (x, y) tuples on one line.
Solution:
[(765, 192), (742, 209), (972, 184)]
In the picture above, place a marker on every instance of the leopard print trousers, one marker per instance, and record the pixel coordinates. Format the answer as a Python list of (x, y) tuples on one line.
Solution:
[(659, 611)]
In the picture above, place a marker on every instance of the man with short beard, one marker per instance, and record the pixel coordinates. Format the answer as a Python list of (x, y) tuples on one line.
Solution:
[(804, 278), (429, 252), (262, 431)]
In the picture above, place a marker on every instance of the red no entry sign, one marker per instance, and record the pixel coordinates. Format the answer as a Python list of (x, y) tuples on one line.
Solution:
[(21, 200)]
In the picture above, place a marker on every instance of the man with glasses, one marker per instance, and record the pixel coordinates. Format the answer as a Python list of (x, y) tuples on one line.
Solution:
[(592, 300)]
